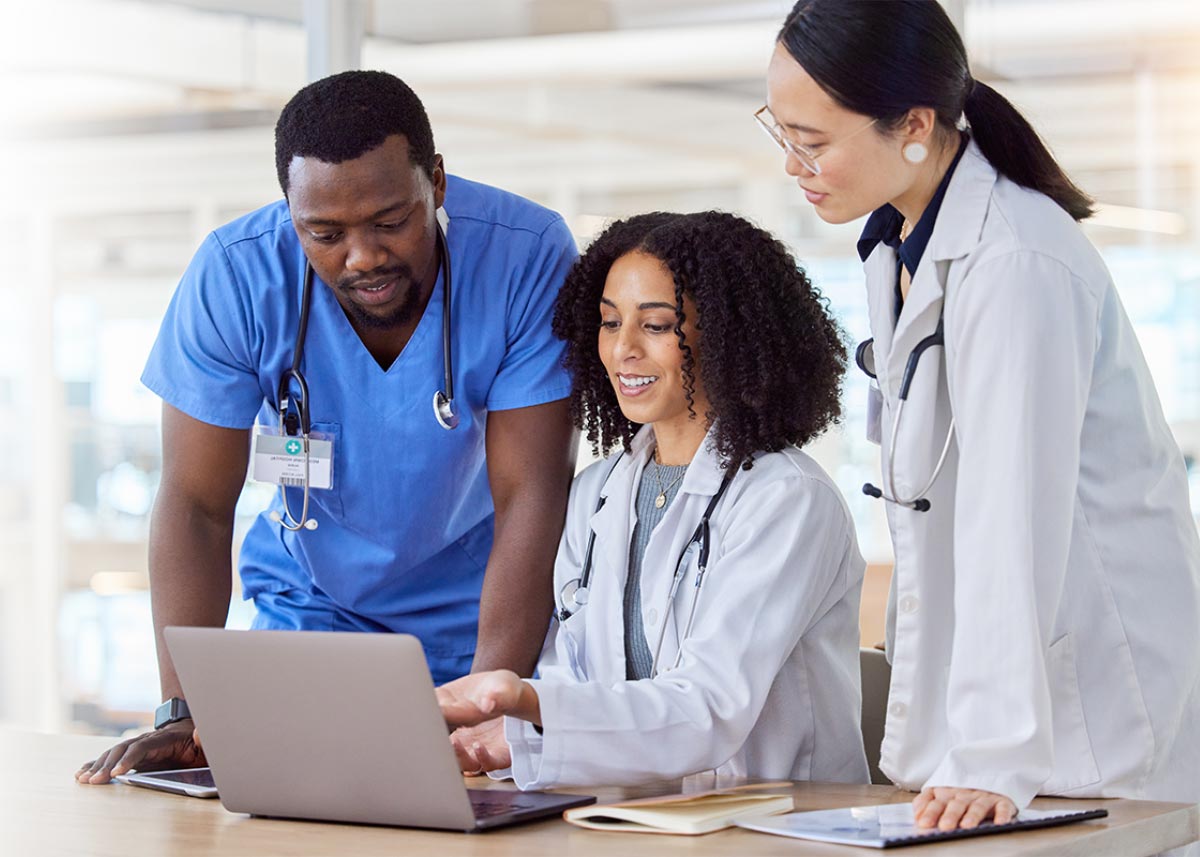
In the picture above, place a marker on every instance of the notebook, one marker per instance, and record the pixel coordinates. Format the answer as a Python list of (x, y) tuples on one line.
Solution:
[(688, 815), (891, 825)]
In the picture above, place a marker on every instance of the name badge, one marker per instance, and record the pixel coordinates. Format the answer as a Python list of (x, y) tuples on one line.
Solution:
[(280, 459), (874, 414)]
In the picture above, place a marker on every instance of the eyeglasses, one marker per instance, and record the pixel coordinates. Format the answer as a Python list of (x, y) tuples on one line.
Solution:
[(806, 156)]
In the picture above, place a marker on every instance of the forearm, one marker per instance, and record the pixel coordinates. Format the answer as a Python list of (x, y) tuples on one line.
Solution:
[(516, 601), (528, 707), (190, 575), (631, 732), (531, 456)]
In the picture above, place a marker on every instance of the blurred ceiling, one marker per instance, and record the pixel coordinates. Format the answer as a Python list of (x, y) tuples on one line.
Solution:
[(594, 105)]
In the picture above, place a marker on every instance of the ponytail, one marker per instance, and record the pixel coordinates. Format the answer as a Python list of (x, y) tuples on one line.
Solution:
[(1011, 145)]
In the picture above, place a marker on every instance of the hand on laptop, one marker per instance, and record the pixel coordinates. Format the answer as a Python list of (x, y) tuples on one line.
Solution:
[(481, 748), (947, 808), (173, 746)]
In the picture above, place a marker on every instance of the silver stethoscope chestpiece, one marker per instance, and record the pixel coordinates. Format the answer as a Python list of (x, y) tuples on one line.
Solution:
[(572, 596), (443, 409)]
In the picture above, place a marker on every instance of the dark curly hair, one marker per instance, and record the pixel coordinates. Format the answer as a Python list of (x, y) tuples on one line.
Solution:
[(773, 356), (344, 116)]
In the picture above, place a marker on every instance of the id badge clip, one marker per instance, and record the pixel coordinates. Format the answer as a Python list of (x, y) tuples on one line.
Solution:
[(280, 459)]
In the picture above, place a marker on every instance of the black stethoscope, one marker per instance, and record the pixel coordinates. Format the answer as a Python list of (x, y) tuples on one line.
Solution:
[(294, 412), (865, 358), (575, 591)]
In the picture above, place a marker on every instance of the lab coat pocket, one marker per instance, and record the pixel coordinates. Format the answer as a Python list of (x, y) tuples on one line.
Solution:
[(1074, 761), (874, 414), (571, 630)]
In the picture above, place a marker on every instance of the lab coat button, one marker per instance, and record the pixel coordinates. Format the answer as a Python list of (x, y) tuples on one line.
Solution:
[(652, 617), (909, 604), (898, 709)]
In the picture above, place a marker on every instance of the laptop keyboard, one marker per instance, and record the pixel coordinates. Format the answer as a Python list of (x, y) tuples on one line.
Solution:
[(488, 804)]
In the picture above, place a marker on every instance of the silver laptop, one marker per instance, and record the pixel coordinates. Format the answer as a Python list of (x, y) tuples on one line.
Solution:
[(334, 727)]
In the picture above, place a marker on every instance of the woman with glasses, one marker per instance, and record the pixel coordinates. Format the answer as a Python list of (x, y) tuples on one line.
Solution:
[(708, 575), (1044, 625)]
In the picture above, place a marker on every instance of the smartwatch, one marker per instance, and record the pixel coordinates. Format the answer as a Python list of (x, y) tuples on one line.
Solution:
[(171, 711)]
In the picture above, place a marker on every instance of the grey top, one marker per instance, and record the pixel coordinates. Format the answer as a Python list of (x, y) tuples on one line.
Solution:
[(639, 662)]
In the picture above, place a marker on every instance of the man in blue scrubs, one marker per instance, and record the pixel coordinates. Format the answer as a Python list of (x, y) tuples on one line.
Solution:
[(419, 519)]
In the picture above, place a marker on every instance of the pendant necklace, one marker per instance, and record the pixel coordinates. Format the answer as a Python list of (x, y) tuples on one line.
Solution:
[(661, 499)]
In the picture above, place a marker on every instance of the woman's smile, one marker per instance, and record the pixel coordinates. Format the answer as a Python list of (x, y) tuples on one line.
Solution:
[(634, 385)]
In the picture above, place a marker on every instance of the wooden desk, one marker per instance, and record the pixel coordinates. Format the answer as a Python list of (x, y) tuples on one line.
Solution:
[(43, 811)]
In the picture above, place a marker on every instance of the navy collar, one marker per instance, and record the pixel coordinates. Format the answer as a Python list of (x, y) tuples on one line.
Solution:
[(884, 225)]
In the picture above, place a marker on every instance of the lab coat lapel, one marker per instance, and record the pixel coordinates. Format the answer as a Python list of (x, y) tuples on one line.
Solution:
[(919, 317), (959, 226), (956, 232), (613, 528), (881, 304), (613, 524), (660, 617)]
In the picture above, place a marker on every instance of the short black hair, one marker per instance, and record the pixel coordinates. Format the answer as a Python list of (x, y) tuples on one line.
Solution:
[(772, 355), (344, 116)]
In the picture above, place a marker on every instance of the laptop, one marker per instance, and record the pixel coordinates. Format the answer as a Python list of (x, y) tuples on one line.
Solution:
[(334, 727)]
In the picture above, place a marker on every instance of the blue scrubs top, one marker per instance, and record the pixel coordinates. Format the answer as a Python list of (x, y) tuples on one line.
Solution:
[(405, 532)]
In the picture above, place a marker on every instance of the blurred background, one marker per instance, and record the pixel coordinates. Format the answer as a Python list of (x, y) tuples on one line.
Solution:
[(131, 128)]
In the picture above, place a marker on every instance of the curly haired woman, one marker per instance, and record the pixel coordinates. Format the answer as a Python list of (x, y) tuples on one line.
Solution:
[(708, 576)]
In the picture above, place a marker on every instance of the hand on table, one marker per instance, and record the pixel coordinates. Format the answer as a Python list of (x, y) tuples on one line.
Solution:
[(174, 746), (947, 808), (481, 748)]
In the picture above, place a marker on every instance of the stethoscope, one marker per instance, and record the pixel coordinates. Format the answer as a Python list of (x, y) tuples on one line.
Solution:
[(865, 358), (294, 411), (575, 591)]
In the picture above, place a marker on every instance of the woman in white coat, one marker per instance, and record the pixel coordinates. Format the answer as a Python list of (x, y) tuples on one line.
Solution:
[(681, 645), (1044, 624)]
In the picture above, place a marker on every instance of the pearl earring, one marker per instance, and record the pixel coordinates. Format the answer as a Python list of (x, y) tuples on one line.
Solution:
[(915, 153)]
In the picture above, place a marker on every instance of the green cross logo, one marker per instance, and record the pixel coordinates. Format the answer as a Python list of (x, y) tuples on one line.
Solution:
[(293, 447)]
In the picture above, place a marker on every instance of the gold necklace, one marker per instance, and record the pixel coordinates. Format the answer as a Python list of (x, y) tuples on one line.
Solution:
[(661, 499), (905, 231)]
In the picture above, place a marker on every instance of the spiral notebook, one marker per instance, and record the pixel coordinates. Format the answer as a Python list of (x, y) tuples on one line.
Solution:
[(891, 825)]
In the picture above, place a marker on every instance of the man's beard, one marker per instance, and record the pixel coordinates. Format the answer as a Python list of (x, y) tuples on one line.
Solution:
[(410, 292)]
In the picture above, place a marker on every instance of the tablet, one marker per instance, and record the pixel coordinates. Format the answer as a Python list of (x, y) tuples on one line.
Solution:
[(892, 825), (193, 782)]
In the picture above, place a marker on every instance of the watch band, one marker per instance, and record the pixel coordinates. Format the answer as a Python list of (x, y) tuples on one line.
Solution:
[(171, 711)]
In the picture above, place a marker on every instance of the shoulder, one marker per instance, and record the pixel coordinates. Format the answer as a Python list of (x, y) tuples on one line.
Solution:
[(262, 229), (249, 260), (786, 505), (1025, 229), (792, 477), (495, 209), (589, 482)]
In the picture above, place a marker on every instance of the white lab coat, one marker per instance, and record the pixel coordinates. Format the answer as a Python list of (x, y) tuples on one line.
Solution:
[(1044, 620), (768, 682)]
